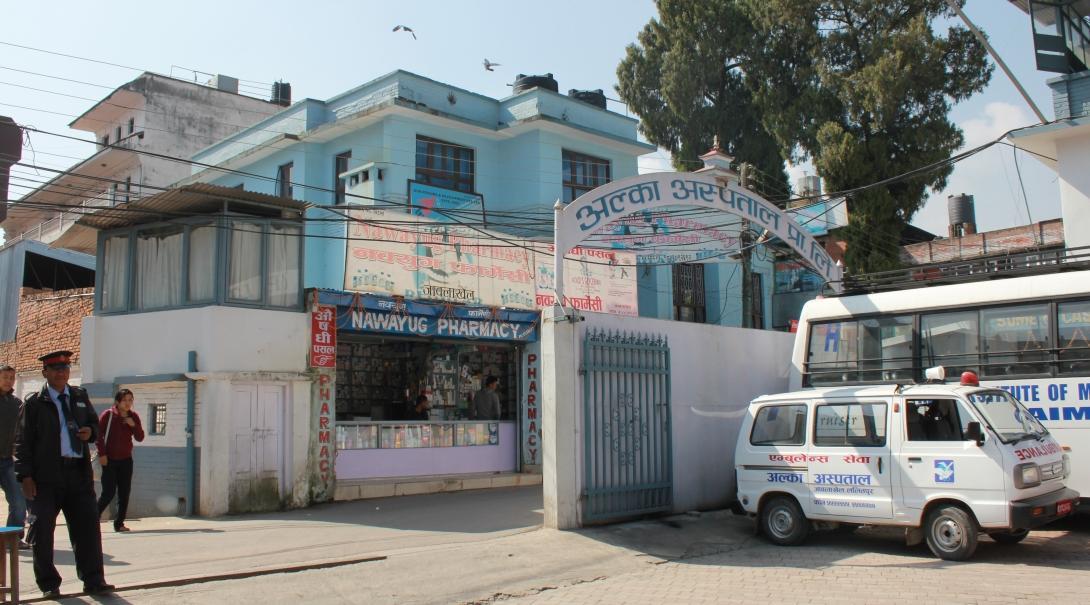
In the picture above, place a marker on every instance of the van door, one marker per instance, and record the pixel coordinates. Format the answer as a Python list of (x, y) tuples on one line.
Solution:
[(850, 472), (935, 459)]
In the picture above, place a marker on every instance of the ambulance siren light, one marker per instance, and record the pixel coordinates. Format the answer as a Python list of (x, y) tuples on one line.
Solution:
[(935, 374), (969, 379)]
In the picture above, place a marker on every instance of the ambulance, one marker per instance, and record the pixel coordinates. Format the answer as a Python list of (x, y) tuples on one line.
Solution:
[(947, 462)]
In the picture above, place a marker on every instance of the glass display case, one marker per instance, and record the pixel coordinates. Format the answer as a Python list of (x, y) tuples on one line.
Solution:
[(400, 435)]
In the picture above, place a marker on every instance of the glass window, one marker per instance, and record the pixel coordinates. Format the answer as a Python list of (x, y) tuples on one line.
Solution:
[(885, 348), (834, 353), (689, 298), (283, 180), (340, 165), (1016, 340), (115, 270), (582, 173), (202, 263), (934, 420), (445, 165), (951, 340), (158, 270), (850, 424), (1073, 331), (283, 263), (132, 125), (244, 273), (779, 425)]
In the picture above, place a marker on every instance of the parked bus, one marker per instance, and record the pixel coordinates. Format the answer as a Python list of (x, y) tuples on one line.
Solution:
[(1027, 335)]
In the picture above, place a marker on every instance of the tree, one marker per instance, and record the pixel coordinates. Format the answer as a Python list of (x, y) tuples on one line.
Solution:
[(686, 80), (863, 88)]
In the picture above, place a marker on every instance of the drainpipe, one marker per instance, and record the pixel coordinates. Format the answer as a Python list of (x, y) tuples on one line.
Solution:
[(190, 446)]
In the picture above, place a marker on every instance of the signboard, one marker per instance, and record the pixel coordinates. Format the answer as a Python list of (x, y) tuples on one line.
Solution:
[(380, 315), (597, 280), (323, 337), (428, 202), (531, 405), (665, 237), (322, 444), (792, 276), (422, 259)]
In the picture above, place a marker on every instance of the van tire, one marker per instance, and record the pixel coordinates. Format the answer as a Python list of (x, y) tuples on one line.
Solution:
[(1010, 537), (782, 521), (951, 533)]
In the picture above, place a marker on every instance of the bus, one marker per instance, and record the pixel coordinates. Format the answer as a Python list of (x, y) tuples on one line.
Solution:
[(1028, 335)]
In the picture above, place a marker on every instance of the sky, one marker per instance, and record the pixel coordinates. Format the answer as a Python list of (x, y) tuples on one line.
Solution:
[(325, 47)]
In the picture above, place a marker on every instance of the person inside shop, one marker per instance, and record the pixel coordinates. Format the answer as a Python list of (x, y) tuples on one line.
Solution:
[(486, 405), (419, 410)]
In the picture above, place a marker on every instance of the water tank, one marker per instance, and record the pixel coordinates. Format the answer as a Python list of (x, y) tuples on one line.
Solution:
[(962, 215), (524, 82), (281, 93), (809, 185), (596, 98)]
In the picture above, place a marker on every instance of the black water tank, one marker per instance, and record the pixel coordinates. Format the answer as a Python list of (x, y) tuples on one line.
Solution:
[(961, 209), (524, 82), (596, 98), (281, 93)]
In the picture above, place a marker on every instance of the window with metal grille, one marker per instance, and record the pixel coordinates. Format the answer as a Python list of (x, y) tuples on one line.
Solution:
[(757, 301), (157, 418), (446, 165), (583, 173), (340, 165), (689, 293)]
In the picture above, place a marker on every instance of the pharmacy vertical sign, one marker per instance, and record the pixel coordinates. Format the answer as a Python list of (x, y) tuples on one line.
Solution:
[(323, 359)]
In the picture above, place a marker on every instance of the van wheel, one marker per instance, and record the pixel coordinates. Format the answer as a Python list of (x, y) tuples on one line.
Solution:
[(951, 533), (783, 522), (1010, 537)]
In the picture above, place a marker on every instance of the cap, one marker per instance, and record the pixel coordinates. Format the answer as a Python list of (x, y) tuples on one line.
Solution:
[(56, 358)]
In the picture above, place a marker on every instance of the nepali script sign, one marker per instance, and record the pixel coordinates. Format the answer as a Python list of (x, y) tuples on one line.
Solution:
[(610, 203), (596, 280)]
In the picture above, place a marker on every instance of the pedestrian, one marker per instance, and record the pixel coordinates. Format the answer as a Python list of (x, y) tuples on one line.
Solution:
[(420, 410), (53, 463), (10, 405), (486, 405), (117, 427)]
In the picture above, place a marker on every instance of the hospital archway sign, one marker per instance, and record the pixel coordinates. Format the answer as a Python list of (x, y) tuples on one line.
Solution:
[(577, 221)]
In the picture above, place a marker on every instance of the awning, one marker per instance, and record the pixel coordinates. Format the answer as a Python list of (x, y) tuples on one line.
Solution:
[(370, 314)]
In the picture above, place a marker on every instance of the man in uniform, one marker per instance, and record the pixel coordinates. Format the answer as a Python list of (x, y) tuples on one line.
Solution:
[(54, 465)]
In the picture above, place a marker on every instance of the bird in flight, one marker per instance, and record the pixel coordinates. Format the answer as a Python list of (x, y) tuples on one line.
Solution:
[(488, 65), (405, 28)]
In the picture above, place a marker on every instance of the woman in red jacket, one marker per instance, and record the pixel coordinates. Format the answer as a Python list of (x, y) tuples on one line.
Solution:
[(117, 427)]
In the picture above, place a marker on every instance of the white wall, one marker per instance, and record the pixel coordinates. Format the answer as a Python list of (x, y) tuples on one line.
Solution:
[(1074, 168), (226, 339)]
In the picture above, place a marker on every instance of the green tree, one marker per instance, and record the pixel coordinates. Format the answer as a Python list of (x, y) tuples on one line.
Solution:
[(686, 80), (863, 88)]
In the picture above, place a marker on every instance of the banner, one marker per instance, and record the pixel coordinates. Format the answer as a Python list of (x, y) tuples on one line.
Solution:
[(669, 235), (595, 280), (323, 337), (425, 200)]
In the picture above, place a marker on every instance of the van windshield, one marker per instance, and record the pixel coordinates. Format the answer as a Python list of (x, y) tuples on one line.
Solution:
[(1007, 417)]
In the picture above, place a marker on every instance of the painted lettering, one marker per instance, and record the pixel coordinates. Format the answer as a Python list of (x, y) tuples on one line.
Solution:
[(323, 437), (323, 422)]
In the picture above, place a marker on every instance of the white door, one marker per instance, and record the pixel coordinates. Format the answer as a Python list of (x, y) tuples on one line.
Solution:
[(257, 418), (850, 474)]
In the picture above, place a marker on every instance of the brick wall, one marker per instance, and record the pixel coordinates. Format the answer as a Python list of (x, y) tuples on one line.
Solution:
[(1045, 234), (48, 321)]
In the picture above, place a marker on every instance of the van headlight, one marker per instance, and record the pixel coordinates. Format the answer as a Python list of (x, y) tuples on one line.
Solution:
[(1027, 475), (1067, 465)]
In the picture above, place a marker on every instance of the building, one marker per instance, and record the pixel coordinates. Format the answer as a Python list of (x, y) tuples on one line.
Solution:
[(138, 127)]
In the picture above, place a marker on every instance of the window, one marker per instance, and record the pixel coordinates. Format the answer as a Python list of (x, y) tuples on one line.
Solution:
[(105, 140), (202, 263), (1016, 340), (779, 425), (689, 292), (158, 275), (244, 265), (128, 189), (157, 418), (582, 173), (951, 340), (117, 133), (445, 165), (934, 420), (1073, 331), (340, 165), (850, 425), (871, 349), (132, 125), (283, 265), (283, 180), (757, 301), (115, 279)]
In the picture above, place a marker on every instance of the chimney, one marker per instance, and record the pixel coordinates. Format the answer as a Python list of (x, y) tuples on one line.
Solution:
[(962, 215)]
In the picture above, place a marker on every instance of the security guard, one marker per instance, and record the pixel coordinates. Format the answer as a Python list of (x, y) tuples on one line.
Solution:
[(54, 465)]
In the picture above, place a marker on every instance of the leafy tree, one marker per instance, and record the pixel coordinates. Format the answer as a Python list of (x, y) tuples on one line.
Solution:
[(863, 87), (687, 82)]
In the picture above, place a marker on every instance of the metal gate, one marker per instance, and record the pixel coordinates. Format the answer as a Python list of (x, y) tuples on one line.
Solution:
[(628, 461)]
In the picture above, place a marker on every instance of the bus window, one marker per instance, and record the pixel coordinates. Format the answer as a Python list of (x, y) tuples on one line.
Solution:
[(885, 348), (834, 353), (1016, 340), (951, 340), (1073, 331)]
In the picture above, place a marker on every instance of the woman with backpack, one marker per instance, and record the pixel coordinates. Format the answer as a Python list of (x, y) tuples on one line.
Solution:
[(117, 427)]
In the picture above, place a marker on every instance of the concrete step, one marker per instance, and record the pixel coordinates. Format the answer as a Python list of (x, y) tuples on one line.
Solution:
[(431, 484)]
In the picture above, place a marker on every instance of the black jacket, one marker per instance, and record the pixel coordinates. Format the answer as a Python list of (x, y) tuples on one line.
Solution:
[(38, 442)]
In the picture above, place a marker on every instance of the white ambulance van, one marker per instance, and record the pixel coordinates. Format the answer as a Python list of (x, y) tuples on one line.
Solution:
[(947, 462)]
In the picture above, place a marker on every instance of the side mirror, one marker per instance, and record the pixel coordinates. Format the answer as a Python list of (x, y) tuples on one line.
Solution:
[(975, 433)]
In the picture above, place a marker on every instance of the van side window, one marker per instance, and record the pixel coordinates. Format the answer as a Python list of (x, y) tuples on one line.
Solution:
[(779, 425), (933, 420), (850, 425)]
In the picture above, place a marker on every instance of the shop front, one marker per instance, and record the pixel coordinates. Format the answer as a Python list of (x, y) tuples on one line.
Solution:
[(390, 351)]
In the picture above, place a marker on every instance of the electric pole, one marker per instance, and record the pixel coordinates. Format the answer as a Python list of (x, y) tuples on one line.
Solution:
[(745, 241), (11, 150)]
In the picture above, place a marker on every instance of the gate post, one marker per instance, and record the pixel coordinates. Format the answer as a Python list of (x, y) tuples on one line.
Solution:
[(559, 414)]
